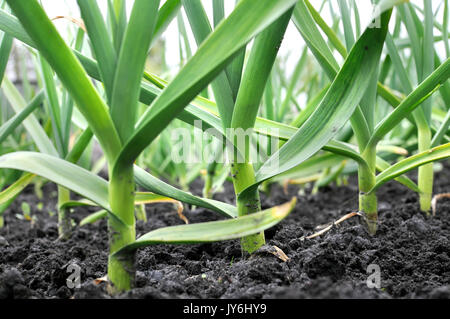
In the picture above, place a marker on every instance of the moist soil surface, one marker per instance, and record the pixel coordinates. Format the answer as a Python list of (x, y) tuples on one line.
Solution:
[(411, 250)]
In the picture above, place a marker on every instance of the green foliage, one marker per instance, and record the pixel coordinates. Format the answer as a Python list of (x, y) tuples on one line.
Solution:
[(345, 107)]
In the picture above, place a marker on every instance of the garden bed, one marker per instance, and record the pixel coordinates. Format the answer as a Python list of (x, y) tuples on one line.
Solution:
[(412, 251)]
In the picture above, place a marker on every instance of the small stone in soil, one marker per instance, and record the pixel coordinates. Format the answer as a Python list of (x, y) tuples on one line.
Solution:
[(3, 241)]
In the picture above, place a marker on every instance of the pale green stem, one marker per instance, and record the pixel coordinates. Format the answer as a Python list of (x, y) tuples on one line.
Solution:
[(64, 220), (208, 185), (244, 176), (209, 179), (426, 175), (140, 213), (121, 229), (368, 202)]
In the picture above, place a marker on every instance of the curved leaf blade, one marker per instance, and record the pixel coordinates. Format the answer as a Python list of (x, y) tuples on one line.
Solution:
[(61, 172), (9, 126), (166, 14), (435, 154), (30, 123), (151, 183), (16, 188), (92, 218), (130, 66), (336, 107), (402, 179), (214, 231), (412, 101), (101, 42)]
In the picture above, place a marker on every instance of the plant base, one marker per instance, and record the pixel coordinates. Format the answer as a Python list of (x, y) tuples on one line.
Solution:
[(64, 221), (244, 176), (369, 206), (425, 183), (252, 243), (121, 267), (121, 272), (64, 224)]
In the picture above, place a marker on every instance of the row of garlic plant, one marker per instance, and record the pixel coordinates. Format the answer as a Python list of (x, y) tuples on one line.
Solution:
[(237, 87)]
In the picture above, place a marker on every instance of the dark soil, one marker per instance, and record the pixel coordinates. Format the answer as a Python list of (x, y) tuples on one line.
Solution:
[(412, 251)]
